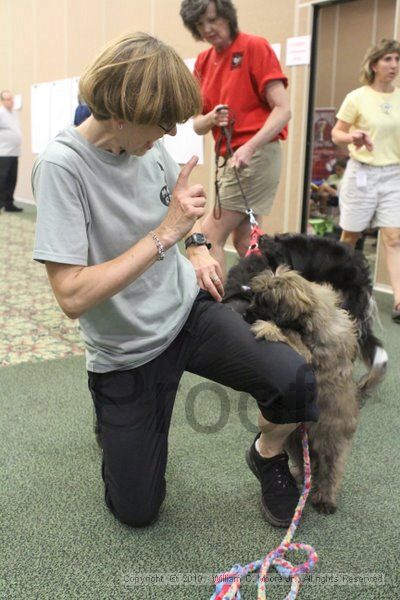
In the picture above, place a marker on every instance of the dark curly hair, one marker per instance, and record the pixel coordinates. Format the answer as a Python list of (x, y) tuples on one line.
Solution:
[(192, 10)]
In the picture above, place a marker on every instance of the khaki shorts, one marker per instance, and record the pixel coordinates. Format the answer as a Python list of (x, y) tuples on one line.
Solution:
[(259, 181), (369, 196)]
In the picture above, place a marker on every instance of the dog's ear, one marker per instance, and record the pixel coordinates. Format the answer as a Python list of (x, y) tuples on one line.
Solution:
[(282, 269), (299, 299), (295, 291), (260, 281)]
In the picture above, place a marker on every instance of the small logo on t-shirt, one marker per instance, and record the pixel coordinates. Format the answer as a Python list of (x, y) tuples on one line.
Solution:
[(165, 195), (386, 107), (237, 58)]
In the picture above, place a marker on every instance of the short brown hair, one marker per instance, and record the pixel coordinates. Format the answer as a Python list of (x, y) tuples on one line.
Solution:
[(192, 10), (139, 79), (373, 54)]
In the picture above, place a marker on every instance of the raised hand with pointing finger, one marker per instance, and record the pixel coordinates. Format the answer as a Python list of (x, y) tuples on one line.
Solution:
[(187, 205)]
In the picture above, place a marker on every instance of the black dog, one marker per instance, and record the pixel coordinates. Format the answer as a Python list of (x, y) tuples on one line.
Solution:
[(321, 260)]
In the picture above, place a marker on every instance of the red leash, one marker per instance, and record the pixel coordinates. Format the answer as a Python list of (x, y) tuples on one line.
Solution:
[(255, 235)]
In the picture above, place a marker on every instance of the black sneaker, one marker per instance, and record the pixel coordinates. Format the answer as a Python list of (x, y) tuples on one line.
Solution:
[(279, 492)]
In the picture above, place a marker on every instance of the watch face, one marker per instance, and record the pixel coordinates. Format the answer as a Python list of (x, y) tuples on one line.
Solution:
[(199, 238)]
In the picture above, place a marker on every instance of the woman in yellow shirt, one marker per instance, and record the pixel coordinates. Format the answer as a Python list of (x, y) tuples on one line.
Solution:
[(369, 123)]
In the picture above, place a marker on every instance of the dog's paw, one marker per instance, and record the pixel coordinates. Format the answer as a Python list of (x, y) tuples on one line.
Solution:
[(324, 507), (268, 330)]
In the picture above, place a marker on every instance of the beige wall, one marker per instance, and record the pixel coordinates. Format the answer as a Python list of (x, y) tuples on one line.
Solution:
[(43, 40)]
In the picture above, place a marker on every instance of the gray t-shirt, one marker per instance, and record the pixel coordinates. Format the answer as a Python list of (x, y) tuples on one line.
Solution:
[(10, 133), (91, 207)]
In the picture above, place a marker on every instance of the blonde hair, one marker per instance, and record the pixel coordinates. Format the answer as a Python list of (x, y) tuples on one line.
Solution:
[(139, 79), (373, 54)]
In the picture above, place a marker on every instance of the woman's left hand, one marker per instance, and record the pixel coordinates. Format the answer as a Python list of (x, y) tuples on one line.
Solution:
[(208, 272), (242, 157)]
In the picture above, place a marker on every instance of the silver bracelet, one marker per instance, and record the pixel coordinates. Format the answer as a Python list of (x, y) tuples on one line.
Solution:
[(160, 247)]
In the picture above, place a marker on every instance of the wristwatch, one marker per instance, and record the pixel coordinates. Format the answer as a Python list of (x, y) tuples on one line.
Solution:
[(197, 239)]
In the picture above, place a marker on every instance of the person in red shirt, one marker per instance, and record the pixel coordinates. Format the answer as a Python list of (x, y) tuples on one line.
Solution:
[(243, 88)]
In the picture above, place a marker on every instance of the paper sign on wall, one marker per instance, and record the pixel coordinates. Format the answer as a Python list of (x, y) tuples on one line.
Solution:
[(298, 50), (53, 105), (189, 62), (74, 95), (186, 142), (277, 49), (61, 115), (17, 102), (40, 116)]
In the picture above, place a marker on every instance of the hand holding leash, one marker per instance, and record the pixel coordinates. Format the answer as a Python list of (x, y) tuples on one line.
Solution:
[(242, 157), (220, 115)]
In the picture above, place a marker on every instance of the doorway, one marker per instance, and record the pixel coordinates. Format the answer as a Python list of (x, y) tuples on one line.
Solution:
[(342, 32)]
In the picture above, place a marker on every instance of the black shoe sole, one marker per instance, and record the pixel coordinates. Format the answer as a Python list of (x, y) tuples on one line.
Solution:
[(268, 515)]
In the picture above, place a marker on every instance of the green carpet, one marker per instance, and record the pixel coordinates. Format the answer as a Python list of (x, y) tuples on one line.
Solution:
[(60, 542)]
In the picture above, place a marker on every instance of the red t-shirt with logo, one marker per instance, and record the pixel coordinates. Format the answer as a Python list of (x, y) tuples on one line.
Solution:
[(237, 76)]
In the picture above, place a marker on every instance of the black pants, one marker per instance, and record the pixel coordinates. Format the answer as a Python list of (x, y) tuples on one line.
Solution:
[(8, 180), (134, 407)]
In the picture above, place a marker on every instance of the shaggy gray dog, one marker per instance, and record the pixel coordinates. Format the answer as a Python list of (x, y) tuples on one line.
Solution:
[(306, 315)]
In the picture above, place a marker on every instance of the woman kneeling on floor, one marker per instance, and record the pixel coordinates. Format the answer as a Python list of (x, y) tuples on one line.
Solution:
[(112, 207)]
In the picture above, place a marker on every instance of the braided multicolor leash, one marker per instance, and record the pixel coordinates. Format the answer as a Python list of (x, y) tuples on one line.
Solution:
[(228, 584)]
